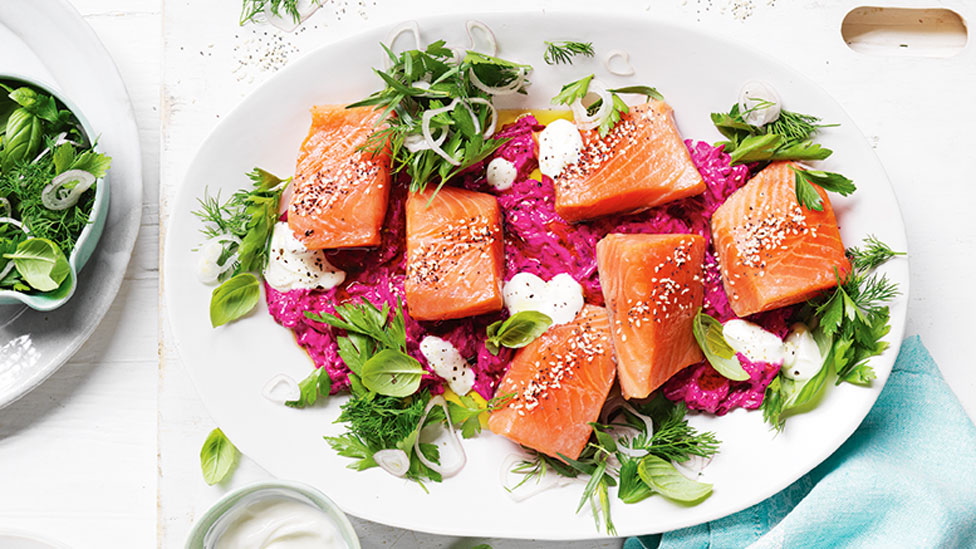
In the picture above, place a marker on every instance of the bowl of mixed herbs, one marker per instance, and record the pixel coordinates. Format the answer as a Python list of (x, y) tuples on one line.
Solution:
[(53, 194)]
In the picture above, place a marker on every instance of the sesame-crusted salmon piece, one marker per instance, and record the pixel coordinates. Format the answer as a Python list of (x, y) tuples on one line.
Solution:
[(455, 254), (653, 287), (641, 163), (340, 193), (772, 251), (558, 384)]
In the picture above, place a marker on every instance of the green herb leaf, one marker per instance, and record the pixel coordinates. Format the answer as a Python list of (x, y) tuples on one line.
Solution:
[(392, 373), (632, 488), (756, 148), (41, 264), (708, 333), (872, 255), (253, 9), (234, 298), (663, 478), (647, 91), (317, 384), (806, 194), (22, 139), (517, 331), (563, 51), (573, 91), (218, 457)]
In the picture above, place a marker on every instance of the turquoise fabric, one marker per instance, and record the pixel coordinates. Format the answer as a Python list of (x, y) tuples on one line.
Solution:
[(906, 478)]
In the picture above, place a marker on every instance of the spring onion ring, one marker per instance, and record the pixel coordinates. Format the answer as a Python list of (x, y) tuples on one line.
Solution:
[(583, 119), (490, 130), (5, 207), (473, 24), (208, 268), (429, 139), (281, 388), (408, 26), (16, 223), (445, 472), (56, 197), (393, 460), (624, 68)]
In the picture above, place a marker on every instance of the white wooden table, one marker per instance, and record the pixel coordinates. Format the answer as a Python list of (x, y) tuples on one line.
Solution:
[(105, 453)]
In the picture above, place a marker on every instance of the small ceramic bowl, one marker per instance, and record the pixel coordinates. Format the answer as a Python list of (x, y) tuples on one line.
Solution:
[(89, 235), (209, 526)]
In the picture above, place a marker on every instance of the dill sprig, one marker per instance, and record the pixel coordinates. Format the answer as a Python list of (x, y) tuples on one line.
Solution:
[(871, 255), (563, 51), (253, 8)]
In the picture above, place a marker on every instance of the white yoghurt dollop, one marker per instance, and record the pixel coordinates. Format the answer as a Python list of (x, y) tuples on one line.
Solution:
[(803, 358), (292, 266), (448, 363), (759, 103), (501, 174), (561, 299), (279, 523), (560, 144), (757, 344)]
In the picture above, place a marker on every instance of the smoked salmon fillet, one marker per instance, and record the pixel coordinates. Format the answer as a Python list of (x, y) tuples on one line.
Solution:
[(558, 384), (455, 254), (641, 163), (340, 193), (773, 252), (653, 287)]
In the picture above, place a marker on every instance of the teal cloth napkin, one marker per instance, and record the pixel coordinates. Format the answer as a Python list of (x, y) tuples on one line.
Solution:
[(905, 478)]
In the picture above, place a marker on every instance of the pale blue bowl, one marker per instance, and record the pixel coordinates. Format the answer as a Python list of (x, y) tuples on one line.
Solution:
[(89, 235)]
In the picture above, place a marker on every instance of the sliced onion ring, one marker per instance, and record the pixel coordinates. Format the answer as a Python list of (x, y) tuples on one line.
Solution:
[(473, 24), (208, 268), (54, 196), (429, 139), (6, 207), (444, 471), (407, 26), (393, 460), (511, 88), (490, 130), (626, 70), (15, 222), (649, 425), (583, 120), (290, 387)]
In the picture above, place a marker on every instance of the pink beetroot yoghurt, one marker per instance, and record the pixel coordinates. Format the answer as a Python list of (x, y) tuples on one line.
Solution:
[(540, 242)]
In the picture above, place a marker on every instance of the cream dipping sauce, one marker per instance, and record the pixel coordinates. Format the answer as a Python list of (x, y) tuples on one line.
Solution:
[(279, 523), (560, 144), (754, 342), (291, 266)]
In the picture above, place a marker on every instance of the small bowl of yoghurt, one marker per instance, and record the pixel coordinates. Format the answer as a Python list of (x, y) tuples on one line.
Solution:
[(274, 514)]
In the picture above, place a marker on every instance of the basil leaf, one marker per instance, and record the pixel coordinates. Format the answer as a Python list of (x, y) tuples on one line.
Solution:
[(22, 139), (234, 298), (708, 334), (218, 457), (392, 373), (41, 264), (517, 331), (663, 478), (317, 384), (632, 488), (40, 105)]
